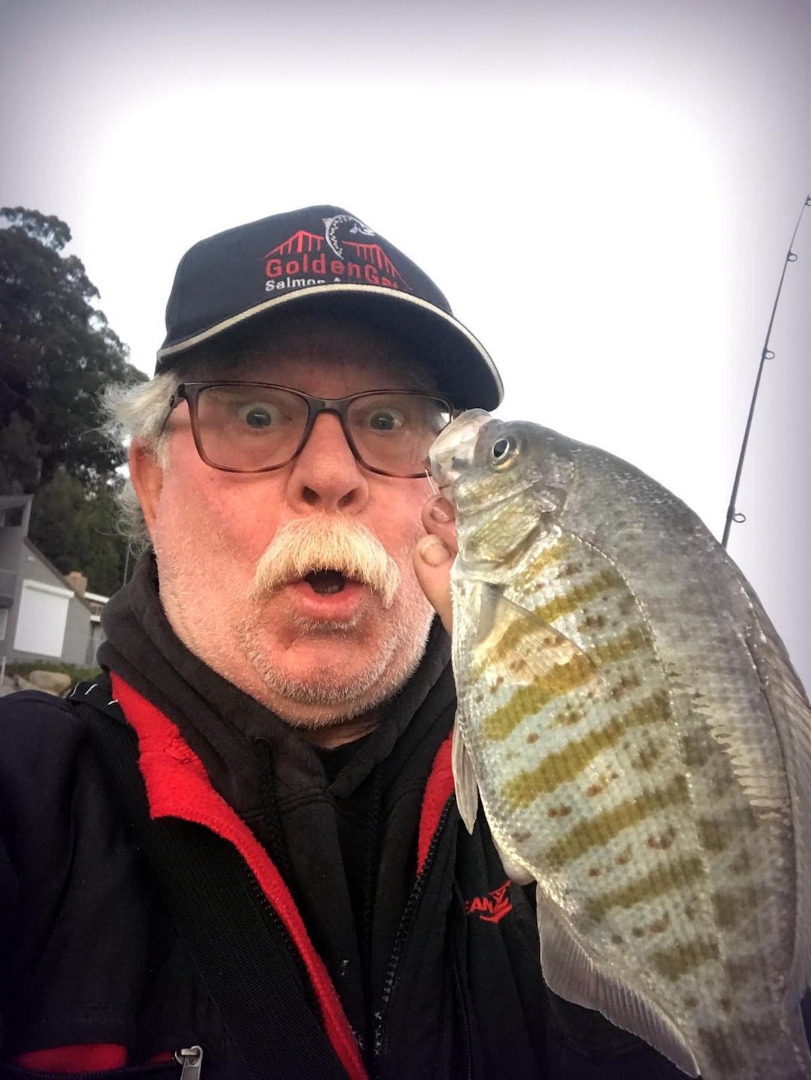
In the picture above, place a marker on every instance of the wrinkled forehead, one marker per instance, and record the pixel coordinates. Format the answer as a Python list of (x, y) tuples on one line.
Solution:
[(302, 351)]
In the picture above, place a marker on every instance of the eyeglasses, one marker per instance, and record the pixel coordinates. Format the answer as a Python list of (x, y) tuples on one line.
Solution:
[(257, 427)]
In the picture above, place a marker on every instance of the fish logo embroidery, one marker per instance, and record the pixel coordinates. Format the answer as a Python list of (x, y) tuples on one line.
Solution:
[(333, 224), (493, 907)]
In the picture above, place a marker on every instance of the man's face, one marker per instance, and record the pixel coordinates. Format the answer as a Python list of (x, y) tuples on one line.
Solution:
[(315, 658)]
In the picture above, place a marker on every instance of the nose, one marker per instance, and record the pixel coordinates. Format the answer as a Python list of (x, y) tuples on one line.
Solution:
[(325, 475)]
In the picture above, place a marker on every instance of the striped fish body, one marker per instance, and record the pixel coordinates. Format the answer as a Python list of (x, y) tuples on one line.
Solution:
[(640, 745)]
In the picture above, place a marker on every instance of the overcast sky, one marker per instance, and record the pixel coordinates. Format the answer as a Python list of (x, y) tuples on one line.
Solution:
[(605, 190)]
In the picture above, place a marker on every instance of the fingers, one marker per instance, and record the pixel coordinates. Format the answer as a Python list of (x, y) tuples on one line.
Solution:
[(434, 555)]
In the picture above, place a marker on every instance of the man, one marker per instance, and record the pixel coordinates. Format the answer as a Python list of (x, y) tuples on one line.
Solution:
[(303, 901)]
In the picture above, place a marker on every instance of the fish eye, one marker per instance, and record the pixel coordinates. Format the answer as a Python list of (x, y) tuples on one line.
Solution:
[(502, 452)]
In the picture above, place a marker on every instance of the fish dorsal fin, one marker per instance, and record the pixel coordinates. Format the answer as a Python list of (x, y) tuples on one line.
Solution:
[(517, 644), (573, 975), (464, 779), (792, 719)]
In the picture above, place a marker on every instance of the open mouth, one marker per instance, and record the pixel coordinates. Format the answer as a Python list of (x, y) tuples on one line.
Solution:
[(325, 582)]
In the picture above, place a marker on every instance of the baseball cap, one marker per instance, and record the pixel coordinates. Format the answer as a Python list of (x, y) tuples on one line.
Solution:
[(324, 259)]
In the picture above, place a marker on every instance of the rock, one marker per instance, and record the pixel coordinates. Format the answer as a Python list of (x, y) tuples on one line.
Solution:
[(19, 683), (54, 682)]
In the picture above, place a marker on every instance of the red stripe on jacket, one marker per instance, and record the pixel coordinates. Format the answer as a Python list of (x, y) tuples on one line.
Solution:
[(437, 792), (177, 785), (75, 1059)]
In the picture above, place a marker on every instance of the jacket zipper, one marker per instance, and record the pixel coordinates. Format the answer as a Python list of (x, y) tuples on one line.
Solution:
[(402, 932), (463, 1011), (278, 924), (192, 1062)]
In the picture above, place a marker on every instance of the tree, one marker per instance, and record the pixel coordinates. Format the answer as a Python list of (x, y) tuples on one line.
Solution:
[(56, 354), (73, 522)]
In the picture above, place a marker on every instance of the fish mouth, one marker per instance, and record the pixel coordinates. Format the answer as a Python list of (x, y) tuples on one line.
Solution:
[(452, 450)]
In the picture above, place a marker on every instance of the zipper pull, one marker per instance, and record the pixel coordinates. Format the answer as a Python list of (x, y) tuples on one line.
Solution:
[(192, 1062)]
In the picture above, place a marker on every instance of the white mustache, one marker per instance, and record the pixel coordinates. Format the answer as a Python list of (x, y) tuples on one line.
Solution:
[(321, 543)]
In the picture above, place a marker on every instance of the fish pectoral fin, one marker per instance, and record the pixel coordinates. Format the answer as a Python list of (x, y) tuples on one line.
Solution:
[(518, 645), (575, 976), (464, 779)]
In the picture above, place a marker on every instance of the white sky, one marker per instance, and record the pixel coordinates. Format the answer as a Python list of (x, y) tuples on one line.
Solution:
[(605, 190)]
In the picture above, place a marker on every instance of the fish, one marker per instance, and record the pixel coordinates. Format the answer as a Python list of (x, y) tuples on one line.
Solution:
[(631, 725)]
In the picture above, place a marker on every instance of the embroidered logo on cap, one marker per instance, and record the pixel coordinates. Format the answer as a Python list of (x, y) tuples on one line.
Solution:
[(493, 907), (333, 226), (306, 259)]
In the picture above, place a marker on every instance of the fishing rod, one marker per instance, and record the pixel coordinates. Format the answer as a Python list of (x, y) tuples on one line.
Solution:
[(767, 354)]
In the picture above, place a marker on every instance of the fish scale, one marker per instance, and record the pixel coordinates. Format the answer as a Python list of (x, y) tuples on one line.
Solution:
[(639, 743), (577, 767)]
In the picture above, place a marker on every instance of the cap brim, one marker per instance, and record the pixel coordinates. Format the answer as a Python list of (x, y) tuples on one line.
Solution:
[(462, 366)]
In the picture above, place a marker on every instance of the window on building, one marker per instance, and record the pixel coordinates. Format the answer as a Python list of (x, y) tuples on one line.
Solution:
[(42, 619)]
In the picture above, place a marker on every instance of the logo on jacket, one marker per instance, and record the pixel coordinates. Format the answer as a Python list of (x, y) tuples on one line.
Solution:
[(346, 253), (493, 907)]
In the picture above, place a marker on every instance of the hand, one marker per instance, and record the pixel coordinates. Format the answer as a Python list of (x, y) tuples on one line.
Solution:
[(434, 555)]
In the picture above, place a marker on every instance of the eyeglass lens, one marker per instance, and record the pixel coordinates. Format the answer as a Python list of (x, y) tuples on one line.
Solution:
[(250, 428)]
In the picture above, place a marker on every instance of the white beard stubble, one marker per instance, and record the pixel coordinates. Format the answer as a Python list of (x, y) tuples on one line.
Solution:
[(317, 543)]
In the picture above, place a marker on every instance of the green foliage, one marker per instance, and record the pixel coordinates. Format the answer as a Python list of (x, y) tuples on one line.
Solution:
[(77, 674), (48, 231), (19, 464), (74, 523), (56, 355)]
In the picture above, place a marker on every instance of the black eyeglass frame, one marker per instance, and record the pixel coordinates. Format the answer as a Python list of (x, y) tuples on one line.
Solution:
[(190, 392)]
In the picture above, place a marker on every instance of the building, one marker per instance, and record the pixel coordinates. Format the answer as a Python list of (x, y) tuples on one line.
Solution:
[(44, 615)]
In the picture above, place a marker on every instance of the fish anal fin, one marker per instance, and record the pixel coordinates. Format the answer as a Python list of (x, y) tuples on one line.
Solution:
[(573, 975), (464, 779)]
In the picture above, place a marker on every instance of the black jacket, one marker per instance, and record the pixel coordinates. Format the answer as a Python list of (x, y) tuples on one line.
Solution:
[(397, 930)]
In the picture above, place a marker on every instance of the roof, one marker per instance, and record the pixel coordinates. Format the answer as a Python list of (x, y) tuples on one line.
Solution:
[(11, 502)]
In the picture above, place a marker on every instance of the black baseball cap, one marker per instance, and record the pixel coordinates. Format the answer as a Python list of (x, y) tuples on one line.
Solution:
[(324, 259)]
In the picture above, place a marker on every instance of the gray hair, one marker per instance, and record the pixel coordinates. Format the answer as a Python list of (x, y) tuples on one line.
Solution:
[(138, 412)]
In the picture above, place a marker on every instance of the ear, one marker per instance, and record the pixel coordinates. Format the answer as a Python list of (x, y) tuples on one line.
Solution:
[(147, 479)]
